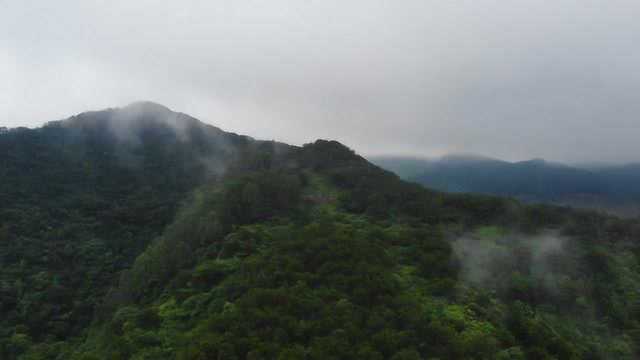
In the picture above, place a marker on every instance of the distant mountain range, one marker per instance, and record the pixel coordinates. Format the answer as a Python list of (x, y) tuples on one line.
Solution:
[(611, 188)]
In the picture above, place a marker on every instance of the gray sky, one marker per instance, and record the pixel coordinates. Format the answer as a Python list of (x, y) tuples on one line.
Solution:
[(510, 79)]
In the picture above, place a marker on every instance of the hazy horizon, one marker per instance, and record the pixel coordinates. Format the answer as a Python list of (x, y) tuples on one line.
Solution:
[(513, 81)]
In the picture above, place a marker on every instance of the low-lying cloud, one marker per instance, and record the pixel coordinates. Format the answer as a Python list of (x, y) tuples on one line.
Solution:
[(514, 80), (492, 262)]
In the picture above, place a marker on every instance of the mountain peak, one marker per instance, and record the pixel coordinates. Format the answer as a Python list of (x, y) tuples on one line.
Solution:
[(147, 106)]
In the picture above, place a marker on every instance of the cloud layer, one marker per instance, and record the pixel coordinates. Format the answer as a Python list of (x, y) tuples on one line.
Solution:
[(514, 80)]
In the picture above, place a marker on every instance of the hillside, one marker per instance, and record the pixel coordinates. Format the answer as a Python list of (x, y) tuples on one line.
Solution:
[(82, 197), (140, 233), (610, 188)]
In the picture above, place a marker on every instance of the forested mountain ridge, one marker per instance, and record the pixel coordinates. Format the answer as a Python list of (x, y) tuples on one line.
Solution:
[(81, 197), (612, 188), (283, 252)]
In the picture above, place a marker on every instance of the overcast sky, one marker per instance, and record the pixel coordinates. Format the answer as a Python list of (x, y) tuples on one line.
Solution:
[(511, 79)]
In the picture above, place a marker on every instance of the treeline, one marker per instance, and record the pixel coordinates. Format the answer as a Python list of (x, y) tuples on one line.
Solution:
[(294, 253)]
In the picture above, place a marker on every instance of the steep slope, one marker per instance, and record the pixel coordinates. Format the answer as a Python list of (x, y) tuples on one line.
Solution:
[(82, 197)]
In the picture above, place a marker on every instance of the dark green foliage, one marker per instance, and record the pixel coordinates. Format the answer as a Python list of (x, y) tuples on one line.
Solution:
[(291, 253), (205, 225), (81, 198), (346, 286), (258, 197)]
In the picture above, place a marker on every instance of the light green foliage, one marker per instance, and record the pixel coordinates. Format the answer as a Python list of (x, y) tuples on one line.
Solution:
[(489, 232)]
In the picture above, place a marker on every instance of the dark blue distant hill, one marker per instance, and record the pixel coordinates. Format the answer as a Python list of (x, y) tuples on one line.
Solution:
[(615, 188)]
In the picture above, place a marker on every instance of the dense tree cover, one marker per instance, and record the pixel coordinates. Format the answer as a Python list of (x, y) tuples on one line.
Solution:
[(82, 197), (290, 253), (335, 284)]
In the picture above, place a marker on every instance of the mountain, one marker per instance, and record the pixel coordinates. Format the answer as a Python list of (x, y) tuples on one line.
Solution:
[(141, 233), (82, 197), (609, 188), (622, 180)]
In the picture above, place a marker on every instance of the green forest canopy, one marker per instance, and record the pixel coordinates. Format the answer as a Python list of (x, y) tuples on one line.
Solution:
[(289, 253)]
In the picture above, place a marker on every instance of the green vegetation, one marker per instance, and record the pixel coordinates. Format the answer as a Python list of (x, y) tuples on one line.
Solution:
[(307, 253), (81, 198)]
